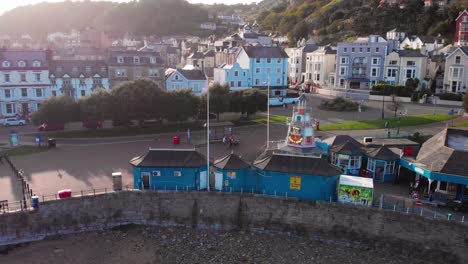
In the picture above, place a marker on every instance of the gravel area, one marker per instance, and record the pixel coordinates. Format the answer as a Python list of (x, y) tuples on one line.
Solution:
[(139, 244)]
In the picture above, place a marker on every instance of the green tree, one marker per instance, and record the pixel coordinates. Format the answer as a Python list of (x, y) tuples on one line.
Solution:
[(465, 102), (96, 106), (136, 100), (219, 99), (55, 110), (254, 102), (180, 105)]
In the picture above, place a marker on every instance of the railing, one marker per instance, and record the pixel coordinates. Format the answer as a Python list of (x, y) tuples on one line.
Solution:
[(19, 173), (384, 202)]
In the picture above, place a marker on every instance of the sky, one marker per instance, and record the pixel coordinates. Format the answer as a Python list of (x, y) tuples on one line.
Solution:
[(6, 5)]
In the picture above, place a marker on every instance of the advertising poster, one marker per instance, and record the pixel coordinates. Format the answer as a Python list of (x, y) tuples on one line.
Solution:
[(354, 194), (295, 183)]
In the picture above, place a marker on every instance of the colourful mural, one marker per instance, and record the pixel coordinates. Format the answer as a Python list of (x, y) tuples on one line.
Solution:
[(355, 194)]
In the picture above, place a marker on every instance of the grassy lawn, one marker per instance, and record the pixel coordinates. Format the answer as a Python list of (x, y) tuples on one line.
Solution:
[(392, 123), (25, 150), (126, 131), (273, 118), (463, 124)]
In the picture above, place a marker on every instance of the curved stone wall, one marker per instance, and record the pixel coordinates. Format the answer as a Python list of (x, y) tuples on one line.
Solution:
[(395, 231)]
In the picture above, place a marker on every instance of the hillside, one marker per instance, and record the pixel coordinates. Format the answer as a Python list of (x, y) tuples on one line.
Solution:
[(337, 20), (143, 17)]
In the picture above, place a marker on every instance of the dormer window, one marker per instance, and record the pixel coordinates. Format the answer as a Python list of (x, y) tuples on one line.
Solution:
[(120, 59), (6, 64), (136, 60), (21, 64), (36, 64), (177, 77)]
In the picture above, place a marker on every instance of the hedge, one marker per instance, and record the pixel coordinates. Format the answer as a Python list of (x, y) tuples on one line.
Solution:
[(451, 97), (385, 89)]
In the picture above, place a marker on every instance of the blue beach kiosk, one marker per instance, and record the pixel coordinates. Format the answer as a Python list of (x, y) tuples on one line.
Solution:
[(382, 164), (233, 174), (441, 165), (170, 169), (302, 177)]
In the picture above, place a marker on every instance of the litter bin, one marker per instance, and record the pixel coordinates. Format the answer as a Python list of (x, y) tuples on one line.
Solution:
[(449, 216), (175, 140), (35, 201), (52, 143), (117, 181)]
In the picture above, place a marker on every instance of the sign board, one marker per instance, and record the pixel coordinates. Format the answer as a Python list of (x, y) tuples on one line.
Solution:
[(295, 182), (14, 139), (355, 194), (231, 174)]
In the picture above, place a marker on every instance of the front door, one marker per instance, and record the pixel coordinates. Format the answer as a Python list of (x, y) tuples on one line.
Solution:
[(218, 181), (145, 181), (203, 181)]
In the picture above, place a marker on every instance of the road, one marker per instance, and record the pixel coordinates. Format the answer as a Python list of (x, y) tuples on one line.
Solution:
[(83, 164)]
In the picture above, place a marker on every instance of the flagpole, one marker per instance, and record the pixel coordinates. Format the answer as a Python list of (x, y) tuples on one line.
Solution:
[(268, 113), (208, 139)]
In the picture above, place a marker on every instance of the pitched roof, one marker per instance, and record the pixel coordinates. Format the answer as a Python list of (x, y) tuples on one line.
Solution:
[(446, 152), (196, 55), (28, 56), (265, 52), (410, 53), (194, 74), (77, 68), (382, 153), (340, 139), (128, 55), (173, 158), (426, 39), (297, 164), (348, 148), (210, 53), (310, 48), (231, 162), (461, 14)]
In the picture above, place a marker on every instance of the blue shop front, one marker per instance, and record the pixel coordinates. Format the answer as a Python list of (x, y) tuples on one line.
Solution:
[(170, 169), (302, 177), (382, 164), (441, 165), (233, 174)]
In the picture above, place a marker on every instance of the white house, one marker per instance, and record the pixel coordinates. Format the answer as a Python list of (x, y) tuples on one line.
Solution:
[(456, 71), (417, 42), (24, 81), (320, 66), (183, 79)]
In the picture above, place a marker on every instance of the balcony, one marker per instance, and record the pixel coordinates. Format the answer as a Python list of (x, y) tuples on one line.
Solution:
[(359, 65), (358, 75)]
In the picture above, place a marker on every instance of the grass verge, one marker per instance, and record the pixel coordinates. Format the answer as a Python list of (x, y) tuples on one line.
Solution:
[(462, 124), (24, 150), (392, 123)]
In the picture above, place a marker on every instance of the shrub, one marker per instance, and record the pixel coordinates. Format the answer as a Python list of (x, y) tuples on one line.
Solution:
[(387, 90), (450, 97), (465, 102), (339, 104)]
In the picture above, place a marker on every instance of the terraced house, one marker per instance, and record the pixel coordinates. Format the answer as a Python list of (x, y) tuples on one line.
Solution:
[(125, 65), (77, 78), (256, 67), (360, 64), (456, 67), (24, 81)]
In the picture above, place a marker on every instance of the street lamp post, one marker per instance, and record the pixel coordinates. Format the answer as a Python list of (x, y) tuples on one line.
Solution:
[(383, 105), (208, 139)]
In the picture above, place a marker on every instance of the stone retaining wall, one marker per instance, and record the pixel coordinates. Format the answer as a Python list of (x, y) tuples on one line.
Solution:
[(236, 211)]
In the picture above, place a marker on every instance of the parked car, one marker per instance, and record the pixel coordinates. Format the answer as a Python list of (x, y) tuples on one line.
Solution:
[(51, 127), (92, 124), (14, 122), (458, 205)]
